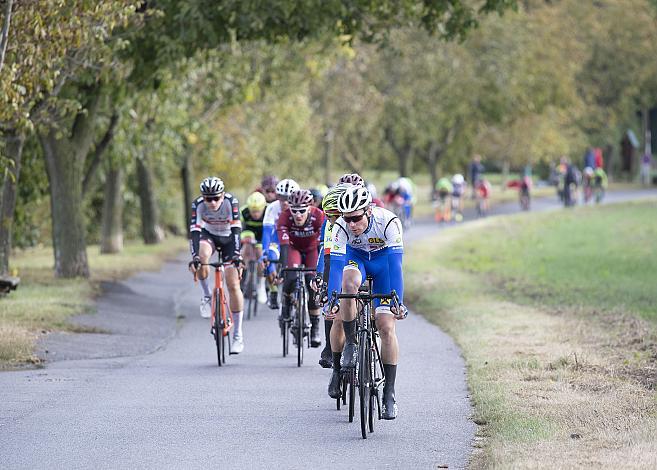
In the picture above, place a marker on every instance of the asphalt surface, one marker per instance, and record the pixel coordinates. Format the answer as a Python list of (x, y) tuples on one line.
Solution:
[(148, 394)]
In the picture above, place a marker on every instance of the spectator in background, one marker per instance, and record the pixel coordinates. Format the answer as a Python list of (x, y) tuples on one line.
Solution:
[(570, 182), (646, 162), (599, 161), (589, 158), (475, 171)]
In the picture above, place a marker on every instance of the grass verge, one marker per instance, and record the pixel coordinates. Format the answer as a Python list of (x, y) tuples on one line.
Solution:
[(556, 378), (43, 303)]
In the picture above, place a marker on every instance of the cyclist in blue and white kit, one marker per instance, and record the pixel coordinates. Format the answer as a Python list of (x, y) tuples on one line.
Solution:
[(271, 252), (367, 240)]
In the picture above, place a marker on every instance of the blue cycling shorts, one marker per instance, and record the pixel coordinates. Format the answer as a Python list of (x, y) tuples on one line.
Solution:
[(376, 266)]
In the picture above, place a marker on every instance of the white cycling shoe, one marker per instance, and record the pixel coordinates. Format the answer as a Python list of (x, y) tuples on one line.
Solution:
[(205, 307), (237, 346), (261, 293)]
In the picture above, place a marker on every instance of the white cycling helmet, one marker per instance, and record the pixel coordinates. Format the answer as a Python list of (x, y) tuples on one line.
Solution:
[(354, 198), (286, 187), (458, 179), (211, 186)]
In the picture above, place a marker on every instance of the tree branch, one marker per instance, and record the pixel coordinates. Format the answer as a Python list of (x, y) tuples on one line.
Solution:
[(4, 39), (98, 153)]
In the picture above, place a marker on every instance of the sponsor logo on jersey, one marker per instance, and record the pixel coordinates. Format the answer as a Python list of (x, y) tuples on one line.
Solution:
[(336, 246), (375, 240), (385, 301), (351, 262), (357, 241)]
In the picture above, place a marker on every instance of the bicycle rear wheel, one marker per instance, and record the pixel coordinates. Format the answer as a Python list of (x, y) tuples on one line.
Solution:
[(363, 380), (285, 332)]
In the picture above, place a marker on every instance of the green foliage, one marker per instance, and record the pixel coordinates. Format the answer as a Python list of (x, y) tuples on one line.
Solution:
[(51, 41)]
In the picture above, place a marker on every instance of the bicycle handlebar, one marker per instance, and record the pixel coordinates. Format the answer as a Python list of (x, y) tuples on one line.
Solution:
[(299, 270), (365, 296), (218, 264)]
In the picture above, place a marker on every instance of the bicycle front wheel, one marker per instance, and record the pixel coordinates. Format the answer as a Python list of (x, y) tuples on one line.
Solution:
[(218, 327), (301, 325), (363, 381)]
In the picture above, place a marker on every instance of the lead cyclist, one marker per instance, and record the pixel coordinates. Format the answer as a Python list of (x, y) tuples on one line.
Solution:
[(367, 241)]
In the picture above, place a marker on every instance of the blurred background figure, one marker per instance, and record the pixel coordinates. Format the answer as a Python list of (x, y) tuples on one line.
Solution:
[(476, 169), (442, 200), (268, 187)]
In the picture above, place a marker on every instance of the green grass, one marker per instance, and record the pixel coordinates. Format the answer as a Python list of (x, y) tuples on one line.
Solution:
[(43, 303), (604, 257), (539, 375)]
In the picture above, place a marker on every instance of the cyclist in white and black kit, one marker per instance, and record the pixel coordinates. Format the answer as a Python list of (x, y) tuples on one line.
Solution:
[(215, 226)]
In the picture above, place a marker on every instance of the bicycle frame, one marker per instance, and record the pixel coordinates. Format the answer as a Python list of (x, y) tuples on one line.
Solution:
[(369, 356), (300, 308), (221, 318)]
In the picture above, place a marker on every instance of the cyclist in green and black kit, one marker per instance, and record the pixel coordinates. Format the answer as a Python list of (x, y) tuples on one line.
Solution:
[(252, 215)]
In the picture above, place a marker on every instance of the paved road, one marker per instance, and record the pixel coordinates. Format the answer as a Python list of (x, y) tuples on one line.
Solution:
[(167, 405), (175, 408)]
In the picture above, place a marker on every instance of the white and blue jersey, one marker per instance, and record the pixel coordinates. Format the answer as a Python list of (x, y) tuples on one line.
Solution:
[(377, 252)]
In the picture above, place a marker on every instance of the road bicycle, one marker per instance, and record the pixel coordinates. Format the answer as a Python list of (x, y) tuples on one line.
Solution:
[(443, 207), (221, 318), (298, 323), (250, 278), (368, 376)]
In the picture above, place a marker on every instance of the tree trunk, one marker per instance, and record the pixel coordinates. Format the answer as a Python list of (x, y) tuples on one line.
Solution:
[(14, 150), (328, 155), (65, 157), (506, 166), (68, 228), (185, 175), (96, 157), (432, 163), (150, 228), (609, 157), (112, 225)]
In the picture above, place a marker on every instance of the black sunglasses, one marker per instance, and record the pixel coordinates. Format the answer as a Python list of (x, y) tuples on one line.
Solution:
[(353, 218), (298, 210), (211, 198)]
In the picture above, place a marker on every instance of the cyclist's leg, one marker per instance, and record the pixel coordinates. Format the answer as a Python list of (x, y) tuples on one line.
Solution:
[(386, 324), (205, 251), (310, 261), (293, 260), (235, 296), (206, 248), (352, 277), (273, 254)]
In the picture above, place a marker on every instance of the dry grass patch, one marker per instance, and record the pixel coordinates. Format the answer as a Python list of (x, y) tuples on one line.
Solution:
[(43, 303), (16, 347)]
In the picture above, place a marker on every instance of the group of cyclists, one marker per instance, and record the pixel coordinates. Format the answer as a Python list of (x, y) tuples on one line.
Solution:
[(448, 197), (569, 180), (343, 232)]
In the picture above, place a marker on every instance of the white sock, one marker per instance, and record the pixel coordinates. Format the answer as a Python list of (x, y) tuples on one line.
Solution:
[(205, 287), (237, 324)]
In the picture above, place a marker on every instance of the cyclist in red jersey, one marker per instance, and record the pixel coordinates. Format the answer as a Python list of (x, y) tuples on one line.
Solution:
[(299, 230)]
